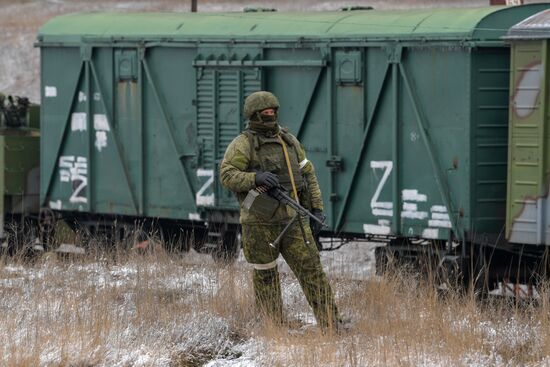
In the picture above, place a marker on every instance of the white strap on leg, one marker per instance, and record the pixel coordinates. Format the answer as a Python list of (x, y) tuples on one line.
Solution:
[(267, 266)]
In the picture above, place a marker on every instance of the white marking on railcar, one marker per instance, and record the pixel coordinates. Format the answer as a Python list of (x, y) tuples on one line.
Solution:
[(78, 121), (100, 122), (410, 214), (100, 140), (64, 176), (194, 216), (57, 205), (65, 162), (82, 97), (50, 91), (413, 195), (376, 229), (432, 233), (382, 205), (440, 216), (410, 206), (382, 212), (383, 222), (200, 198), (74, 169), (97, 96), (438, 208), (439, 223), (381, 208), (101, 125), (79, 173)]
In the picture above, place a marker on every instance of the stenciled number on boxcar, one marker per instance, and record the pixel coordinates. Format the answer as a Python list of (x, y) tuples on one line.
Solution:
[(75, 170)]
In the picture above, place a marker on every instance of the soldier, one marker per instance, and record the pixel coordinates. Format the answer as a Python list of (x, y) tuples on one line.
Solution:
[(256, 158)]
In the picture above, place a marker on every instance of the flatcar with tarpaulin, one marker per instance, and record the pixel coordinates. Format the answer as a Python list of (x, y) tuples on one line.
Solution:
[(403, 113)]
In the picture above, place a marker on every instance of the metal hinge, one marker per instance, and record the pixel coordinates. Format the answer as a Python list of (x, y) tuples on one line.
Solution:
[(335, 163)]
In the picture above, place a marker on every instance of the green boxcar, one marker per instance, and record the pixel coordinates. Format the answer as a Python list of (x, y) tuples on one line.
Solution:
[(528, 212), (403, 113)]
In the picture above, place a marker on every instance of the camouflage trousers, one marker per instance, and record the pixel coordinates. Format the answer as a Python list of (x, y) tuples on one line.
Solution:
[(303, 259)]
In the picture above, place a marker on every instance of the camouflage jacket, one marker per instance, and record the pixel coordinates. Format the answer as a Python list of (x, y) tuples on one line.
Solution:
[(241, 160)]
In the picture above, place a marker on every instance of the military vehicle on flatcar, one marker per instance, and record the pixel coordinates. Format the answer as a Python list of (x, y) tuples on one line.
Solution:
[(19, 174), (403, 113)]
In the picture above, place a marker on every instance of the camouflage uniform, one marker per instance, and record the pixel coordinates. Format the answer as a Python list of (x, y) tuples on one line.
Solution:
[(262, 151)]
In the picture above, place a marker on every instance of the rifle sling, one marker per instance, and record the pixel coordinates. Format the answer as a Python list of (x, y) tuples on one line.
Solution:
[(289, 168)]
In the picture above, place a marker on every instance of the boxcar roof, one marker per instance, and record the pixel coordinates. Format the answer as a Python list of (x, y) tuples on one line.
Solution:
[(535, 27), (487, 23)]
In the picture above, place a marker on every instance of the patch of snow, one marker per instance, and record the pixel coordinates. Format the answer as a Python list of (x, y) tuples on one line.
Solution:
[(249, 352)]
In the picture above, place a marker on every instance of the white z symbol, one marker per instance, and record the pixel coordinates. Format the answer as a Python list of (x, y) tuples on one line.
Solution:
[(200, 198), (381, 208)]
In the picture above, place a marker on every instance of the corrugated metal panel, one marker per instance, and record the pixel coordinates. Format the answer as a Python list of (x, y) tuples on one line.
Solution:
[(228, 110), (218, 109), (536, 26), (206, 116), (456, 23), (220, 96), (490, 78)]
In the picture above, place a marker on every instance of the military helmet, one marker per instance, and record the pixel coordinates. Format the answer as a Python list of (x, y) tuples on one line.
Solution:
[(259, 101)]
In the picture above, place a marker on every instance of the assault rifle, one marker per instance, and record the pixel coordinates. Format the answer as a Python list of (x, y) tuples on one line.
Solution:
[(265, 201)]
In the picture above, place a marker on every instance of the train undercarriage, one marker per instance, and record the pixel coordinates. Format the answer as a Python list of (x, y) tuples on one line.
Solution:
[(502, 269)]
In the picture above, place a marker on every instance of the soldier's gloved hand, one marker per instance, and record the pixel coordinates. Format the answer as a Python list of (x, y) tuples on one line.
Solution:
[(315, 226), (268, 179)]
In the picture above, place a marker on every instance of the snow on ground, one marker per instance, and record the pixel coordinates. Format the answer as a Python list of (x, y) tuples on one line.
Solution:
[(130, 343), (199, 332), (172, 312)]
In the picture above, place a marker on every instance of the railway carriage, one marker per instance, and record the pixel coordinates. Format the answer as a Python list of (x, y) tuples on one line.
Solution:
[(403, 113)]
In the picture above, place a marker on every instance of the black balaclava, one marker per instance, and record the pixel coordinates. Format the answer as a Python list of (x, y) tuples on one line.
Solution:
[(263, 123)]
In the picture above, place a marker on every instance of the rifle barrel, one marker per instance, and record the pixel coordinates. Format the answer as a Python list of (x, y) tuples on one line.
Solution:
[(294, 205)]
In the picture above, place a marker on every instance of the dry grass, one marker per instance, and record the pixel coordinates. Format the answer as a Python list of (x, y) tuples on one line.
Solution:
[(121, 308)]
